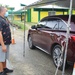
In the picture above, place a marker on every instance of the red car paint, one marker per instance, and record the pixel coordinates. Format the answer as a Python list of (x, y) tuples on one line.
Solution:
[(46, 38)]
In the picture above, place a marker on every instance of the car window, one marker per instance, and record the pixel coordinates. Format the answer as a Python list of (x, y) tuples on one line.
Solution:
[(52, 24), (62, 25), (41, 24), (56, 25)]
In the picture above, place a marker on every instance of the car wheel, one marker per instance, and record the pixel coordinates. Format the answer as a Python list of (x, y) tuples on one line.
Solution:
[(31, 46), (56, 53)]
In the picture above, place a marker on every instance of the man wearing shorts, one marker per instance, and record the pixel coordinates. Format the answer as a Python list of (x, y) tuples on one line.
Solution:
[(5, 41)]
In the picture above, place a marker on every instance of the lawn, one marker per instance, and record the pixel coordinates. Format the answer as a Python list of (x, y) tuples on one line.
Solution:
[(21, 24)]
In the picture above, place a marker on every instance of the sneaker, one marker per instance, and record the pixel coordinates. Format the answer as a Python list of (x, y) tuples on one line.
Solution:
[(3, 73), (6, 70)]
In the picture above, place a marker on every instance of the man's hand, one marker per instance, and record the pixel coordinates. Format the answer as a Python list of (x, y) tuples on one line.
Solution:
[(4, 49)]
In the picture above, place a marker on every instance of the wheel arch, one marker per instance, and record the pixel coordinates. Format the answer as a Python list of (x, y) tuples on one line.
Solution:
[(53, 45), (28, 36)]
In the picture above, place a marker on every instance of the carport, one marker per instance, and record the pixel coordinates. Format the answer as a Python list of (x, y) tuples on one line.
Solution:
[(63, 3)]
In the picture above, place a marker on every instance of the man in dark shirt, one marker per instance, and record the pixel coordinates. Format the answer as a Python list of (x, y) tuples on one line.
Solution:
[(5, 41)]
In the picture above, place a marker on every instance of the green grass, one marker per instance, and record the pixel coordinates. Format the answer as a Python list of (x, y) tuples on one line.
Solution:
[(21, 24)]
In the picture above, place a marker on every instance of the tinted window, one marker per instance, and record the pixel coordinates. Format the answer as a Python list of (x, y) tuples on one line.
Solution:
[(52, 24), (56, 25), (62, 25), (72, 26), (41, 24)]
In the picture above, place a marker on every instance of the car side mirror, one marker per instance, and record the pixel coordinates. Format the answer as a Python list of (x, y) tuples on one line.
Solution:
[(34, 27)]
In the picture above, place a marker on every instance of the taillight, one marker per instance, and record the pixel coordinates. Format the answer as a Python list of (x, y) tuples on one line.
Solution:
[(72, 42), (73, 38)]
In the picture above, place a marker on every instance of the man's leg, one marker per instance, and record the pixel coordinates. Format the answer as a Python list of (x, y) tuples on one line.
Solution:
[(2, 59), (7, 58), (4, 64), (1, 67)]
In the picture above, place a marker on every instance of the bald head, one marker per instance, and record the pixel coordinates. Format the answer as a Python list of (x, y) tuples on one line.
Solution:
[(3, 10)]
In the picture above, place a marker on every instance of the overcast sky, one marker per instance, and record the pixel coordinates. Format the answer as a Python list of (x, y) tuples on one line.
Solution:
[(16, 3)]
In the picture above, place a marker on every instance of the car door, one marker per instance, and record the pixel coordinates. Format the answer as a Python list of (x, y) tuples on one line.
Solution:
[(37, 34), (49, 34), (63, 29)]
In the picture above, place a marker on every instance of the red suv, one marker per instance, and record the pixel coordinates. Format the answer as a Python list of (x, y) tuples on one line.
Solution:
[(48, 34)]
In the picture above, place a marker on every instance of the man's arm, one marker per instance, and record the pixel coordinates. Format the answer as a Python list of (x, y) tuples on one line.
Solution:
[(2, 43)]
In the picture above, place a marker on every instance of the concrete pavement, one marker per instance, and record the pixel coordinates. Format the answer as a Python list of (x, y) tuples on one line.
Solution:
[(35, 61)]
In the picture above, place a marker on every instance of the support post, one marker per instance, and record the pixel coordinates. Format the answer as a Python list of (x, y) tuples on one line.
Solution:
[(67, 37), (24, 40)]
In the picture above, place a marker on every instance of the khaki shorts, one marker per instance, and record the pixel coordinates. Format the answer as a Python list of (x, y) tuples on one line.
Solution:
[(3, 55)]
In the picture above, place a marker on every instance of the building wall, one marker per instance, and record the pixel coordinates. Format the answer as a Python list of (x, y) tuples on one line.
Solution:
[(65, 13), (17, 17), (43, 14), (34, 16), (59, 13), (73, 12), (37, 16)]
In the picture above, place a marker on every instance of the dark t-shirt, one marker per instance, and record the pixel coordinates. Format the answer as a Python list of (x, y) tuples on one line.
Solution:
[(6, 33)]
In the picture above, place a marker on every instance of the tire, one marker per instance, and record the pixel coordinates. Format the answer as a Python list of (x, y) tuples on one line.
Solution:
[(30, 43), (56, 53)]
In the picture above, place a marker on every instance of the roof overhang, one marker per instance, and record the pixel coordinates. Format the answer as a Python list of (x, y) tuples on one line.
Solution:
[(63, 3), (50, 9)]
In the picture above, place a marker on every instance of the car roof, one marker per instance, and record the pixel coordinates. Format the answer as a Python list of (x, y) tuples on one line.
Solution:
[(58, 17)]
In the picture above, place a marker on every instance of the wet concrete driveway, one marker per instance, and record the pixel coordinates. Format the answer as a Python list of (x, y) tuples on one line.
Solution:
[(35, 61)]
